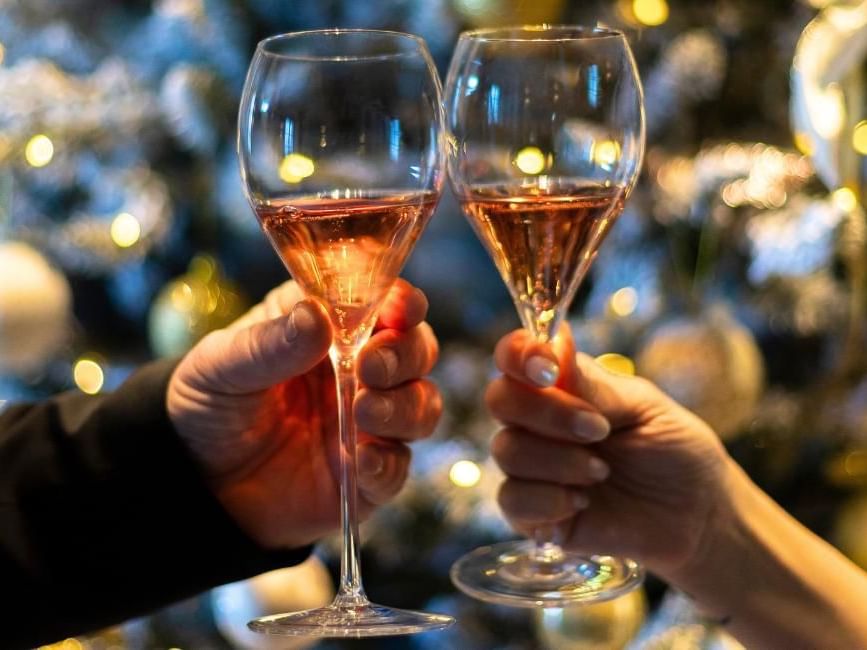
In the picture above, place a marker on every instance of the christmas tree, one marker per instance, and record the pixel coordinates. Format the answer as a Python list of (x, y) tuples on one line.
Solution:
[(736, 278)]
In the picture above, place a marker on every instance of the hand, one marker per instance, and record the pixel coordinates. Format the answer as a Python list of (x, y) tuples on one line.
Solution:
[(256, 405), (617, 466)]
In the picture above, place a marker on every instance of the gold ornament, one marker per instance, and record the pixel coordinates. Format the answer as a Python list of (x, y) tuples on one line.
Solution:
[(499, 13), (711, 365), (601, 626), (192, 305)]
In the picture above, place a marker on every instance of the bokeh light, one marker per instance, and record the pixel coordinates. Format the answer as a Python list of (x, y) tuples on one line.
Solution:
[(624, 301), (39, 150), (88, 376), (650, 12), (465, 473), (859, 137), (530, 160), (295, 167), (844, 199), (616, 363), (125, 230)]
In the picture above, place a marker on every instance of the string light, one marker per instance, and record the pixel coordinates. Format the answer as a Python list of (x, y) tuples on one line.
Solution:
[(39, 150), (125, 230), (295, 167), (650, 12), (465, 473), (624, 301), (88, 376), (530, 160)]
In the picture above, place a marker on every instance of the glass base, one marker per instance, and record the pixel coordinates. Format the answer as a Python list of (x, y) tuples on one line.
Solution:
[(364, 620), (511, 574)]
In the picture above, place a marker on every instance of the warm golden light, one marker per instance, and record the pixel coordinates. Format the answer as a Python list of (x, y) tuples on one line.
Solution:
[(39, 151), (606, 153), (650, 12), (182, 297), (859, 137), (2, 53), (125, 230), (296, 167), (803, 143), (616, 363), (465, 473), (88, 376), (624, 301), (530, 160), (828, 111), (844, 199)]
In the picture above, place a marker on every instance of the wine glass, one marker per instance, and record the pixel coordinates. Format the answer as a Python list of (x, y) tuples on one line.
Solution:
[(340, 140), (546, 138)]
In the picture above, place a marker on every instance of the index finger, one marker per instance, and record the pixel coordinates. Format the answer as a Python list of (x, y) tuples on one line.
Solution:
[(404, 307)]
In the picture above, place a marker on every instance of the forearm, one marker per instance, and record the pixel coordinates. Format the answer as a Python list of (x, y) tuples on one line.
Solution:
[(103, 516), (776, 583)]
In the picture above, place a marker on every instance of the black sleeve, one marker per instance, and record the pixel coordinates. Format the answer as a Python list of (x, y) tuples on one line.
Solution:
[(104, 516)]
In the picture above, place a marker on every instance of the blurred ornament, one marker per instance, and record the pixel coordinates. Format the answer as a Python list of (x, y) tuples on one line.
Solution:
[(599, 626), (35, 309), (499, 13), (305, 586), (710, 364), (192, 305), (850, 529), (195, 103), (691, 69), (796, 241), (827, 93), (677, 625)]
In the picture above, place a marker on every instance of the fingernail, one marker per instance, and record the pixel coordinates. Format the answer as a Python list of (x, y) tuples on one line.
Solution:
[(580, 500), (370, 461), (598, 469), (541, 371), (302, 318), (589, 426), (379, 408), (388, 357)]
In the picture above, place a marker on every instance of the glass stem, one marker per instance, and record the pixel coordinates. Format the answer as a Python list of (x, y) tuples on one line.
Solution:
[(350, 593), (546, 551)]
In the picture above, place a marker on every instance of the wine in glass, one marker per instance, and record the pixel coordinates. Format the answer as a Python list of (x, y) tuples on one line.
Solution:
[(546, 138), (340, 145)]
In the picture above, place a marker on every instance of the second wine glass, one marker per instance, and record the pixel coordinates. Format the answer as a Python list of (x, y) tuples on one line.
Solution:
[(546, 138)]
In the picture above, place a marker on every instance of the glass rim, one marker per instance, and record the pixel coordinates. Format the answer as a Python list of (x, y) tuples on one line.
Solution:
[(541, 33), (263, 45)]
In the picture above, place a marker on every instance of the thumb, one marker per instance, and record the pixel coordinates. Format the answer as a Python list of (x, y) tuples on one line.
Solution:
[(254, 358), (622, 399)]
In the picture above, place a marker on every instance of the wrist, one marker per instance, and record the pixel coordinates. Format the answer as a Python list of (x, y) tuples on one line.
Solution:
[(726, 531)]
